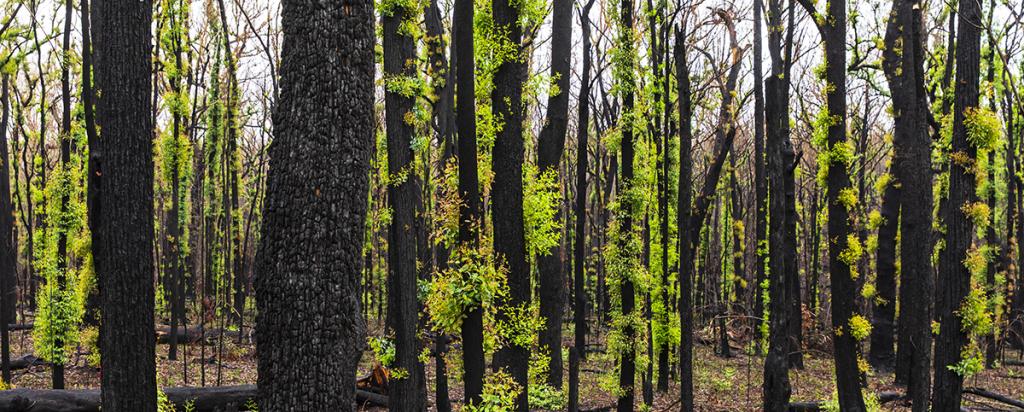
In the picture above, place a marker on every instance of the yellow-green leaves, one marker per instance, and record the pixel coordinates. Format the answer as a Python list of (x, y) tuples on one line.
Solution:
[(851, 255), (978, 212), (541, 200), (848, 198), (875, 219), (499, 394), (983, 127), (472, 279), (860, 327)]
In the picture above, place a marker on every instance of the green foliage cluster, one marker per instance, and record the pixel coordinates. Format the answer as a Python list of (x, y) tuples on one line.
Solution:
[(68, 279), (983, 127), (542, 198), (383, 349), (473, 279), (499, 394), (411, 9), (841, 154)]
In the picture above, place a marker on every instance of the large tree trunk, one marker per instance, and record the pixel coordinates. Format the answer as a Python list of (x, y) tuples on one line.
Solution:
[(913, 177), (760, 182), (470, 208), (550, 145), (776, 388), (883, 305), (954, 277), (403, 305), (309, 257), (685, 231), (627, 292), (8, 260), (123, 226), (507, 191), (845, 346), (582, 137)]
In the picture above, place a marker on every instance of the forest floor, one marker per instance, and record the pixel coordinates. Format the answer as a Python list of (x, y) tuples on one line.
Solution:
[(720, 384)]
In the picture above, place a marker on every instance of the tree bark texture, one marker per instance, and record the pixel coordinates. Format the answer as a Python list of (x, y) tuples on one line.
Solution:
[(309, 324)]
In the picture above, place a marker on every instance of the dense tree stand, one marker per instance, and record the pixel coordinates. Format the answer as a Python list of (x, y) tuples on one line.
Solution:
[(251, 203)]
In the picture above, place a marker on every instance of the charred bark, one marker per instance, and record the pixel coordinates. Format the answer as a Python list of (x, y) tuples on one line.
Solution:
[(550, 146), (123, 225), (954, 277), (403, 305), (309, 256)]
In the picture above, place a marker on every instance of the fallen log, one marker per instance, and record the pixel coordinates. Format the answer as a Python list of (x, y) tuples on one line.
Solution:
[(365, 398), (192, 335), (20, 326), (26, 361), (815, 406), (205, 399), (994, 396)]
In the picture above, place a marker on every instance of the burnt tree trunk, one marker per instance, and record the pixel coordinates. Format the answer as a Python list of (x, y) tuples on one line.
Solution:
[(760, 182), (882, 356), (309, 257), (776, 388), (582, 137), (507, 192), (91, 315), (403, 305), (913, 177), (443, 79), (845, 347), (691, 228), (470, 208), (550, 145), (122, 228), (8, 260), (954, 277)]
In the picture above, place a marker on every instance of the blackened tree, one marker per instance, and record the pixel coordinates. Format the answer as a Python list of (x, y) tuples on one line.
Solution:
[(309, 259), (8, 258), (507, 191), (778, 148), (550, 145), (123, 217), (403, 305), (913, 181), (470, 207), (954, 276), (843, 245)]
